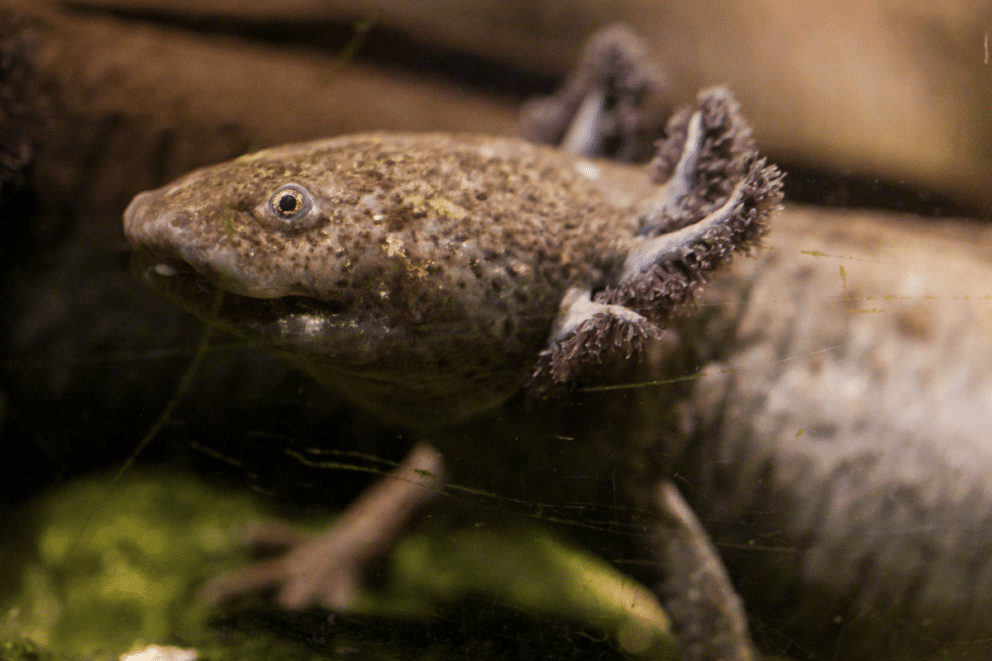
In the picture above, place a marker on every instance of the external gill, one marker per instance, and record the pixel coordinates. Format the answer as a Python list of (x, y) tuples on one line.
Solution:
[(661, 275), (645, 255), (583, 135), (715, 202), (681, 180), (600, 109), (577, 306)]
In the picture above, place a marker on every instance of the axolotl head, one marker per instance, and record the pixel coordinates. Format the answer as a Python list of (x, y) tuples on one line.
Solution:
[(419, 274)]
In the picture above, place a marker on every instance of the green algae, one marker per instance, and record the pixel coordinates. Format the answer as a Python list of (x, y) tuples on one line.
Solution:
[(116, 566)]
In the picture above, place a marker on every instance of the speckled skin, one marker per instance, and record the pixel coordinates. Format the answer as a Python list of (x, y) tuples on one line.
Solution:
[(427, 274)]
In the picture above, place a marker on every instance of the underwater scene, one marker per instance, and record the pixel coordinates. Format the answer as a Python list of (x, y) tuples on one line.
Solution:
[(473, 330)]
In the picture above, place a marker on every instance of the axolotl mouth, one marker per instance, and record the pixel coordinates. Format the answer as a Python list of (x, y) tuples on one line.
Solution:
[(283, 320), (175, 255)]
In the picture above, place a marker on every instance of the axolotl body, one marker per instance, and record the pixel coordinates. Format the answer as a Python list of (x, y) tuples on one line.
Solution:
[(430, 277)]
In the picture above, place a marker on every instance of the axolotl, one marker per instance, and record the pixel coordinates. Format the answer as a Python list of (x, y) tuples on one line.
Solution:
[(431, 277)]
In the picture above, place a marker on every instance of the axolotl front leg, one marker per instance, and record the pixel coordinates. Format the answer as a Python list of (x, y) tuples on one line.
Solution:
[(326, 569)]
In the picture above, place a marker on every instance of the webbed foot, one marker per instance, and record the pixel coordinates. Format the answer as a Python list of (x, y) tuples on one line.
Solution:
[(714, 200), (326, 569)]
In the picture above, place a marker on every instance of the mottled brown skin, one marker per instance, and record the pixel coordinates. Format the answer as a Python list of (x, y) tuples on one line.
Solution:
[(427, 275)]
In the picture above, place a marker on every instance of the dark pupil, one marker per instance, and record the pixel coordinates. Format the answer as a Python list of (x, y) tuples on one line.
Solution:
[(288, 203)]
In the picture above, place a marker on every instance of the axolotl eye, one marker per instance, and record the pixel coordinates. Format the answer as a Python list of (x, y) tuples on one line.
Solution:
[(291, 202)]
